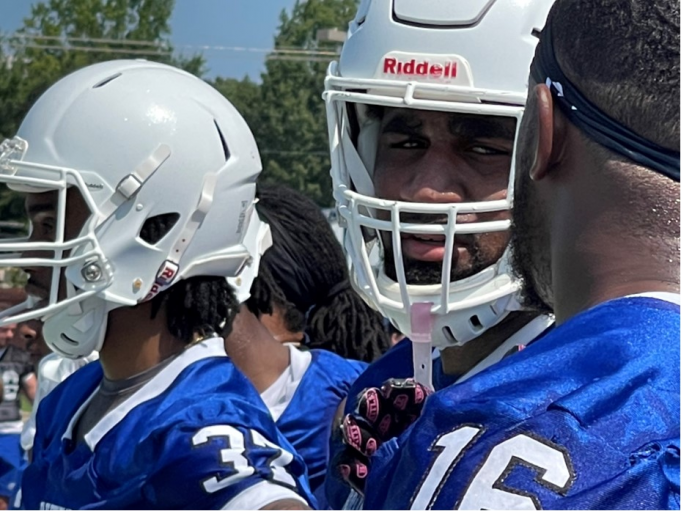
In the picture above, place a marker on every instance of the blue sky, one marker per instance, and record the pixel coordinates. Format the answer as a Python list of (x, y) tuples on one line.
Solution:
[(243, 23)]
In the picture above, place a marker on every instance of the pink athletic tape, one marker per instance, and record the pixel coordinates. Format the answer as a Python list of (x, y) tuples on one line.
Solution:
[(420, 335), (421, 322)]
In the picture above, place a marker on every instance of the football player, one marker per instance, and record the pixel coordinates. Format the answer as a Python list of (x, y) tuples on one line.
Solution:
[(122, 164), (423, 110), (587, 417), (17, 376), (303, 281)]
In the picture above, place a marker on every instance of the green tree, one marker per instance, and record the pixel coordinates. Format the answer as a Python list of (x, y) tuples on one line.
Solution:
[(61, 36), (291, 126), (244, 95)]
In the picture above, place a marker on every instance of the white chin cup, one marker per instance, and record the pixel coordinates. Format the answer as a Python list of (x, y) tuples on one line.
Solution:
[(78, 330), (460, 327), (474, 304)]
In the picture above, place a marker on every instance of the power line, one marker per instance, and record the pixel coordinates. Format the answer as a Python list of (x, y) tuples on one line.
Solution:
[(130, 42), (88, 49), (291, 153), (123, 51), (293, 51), (136, 42)]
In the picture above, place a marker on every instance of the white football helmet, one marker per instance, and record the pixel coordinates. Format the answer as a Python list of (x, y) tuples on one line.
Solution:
[(138, 140), (468, 57)]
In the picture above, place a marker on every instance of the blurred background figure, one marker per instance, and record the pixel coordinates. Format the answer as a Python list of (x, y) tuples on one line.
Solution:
[(28, 337), (6, 332), (51, 370), (9, 297), (17, 374)]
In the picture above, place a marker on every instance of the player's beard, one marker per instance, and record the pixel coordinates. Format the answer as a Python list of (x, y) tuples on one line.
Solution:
[(483, 251), (530, 259)]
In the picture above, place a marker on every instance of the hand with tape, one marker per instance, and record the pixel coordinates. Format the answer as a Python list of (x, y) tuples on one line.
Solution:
[(380, 415)]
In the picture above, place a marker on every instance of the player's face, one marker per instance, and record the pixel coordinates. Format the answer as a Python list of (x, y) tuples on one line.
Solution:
[(24, 333), (32, 333), (6, 334), (530, 232), (438, 157), (42, 213)]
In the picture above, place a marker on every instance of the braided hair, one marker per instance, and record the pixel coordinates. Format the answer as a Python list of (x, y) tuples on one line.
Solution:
[(198, 306), (305, 275)]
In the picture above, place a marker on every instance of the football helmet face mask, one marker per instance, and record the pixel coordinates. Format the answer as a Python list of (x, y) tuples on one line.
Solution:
[(130, 140), (468, 58)]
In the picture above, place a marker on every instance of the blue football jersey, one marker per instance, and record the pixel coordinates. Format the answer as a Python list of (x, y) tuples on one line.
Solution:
[(196, 436), (585, 418), (397, 363), (306, 422)]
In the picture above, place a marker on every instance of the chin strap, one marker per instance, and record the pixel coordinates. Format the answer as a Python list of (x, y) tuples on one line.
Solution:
[(128, 187), (421, 334)]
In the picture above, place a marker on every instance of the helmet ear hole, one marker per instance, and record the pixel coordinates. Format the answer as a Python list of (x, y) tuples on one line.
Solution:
[(475, 323), (449, 335), (156, 227)]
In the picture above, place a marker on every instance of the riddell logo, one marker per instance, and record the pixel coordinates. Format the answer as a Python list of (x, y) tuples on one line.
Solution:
[(165, 276), (424, 68)]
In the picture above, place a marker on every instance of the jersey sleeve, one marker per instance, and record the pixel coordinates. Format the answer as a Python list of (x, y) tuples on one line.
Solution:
[(216, 467)]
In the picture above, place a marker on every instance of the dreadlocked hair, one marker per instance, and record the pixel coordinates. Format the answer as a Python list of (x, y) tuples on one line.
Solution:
[(266, 293), (349, 327), (305, 275), (197, 307)]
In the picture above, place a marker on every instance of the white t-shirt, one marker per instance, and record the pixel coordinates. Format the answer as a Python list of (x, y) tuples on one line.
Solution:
[(278, 396), (660, 295)]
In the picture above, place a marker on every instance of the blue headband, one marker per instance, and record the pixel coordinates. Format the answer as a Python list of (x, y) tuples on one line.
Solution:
[(592, 121)]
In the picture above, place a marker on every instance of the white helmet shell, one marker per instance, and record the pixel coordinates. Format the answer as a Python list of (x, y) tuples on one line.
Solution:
[(461, 57), (138, 140)]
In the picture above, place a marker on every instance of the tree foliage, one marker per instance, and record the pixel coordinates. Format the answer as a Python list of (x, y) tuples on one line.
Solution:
[(291, 131), (285, 111), (244, 95), (61, 36)]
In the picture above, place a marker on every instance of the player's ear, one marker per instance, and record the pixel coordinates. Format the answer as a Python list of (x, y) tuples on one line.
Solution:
[(551, 133), (543, 112)]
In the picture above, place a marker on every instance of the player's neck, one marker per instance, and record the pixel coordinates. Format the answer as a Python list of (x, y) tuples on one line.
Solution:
[(255, 352), (135, 343), (278, 327), (599, 249), (458, 360), (603, 265)]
